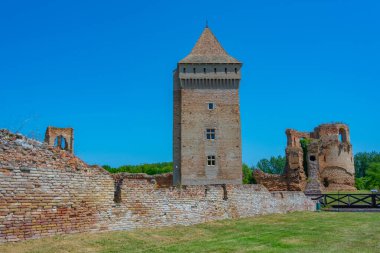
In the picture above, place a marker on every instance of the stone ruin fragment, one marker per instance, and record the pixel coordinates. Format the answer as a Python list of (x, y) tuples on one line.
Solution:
[(324, 163)]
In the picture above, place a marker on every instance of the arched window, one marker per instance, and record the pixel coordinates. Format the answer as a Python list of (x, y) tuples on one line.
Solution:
[(342, 135), (235, 70), (204, 70), (194, 70), (60, 142), (225, 70), (184, 70), (215, 70)]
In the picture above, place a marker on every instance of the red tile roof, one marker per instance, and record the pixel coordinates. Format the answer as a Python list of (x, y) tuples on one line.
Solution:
[(208, 50)]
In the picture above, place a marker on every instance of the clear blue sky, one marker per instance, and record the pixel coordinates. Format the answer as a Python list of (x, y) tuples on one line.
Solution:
[(105, 68)]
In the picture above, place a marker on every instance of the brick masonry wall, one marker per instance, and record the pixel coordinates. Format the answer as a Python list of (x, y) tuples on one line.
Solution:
[(143, 204), (225, 119), (38, 202), (43, 195)]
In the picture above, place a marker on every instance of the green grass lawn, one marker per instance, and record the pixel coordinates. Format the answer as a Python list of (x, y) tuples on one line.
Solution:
[(294, 232)]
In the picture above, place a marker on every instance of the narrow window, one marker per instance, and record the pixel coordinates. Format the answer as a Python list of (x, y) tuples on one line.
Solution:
[(211, 106), (211, 160), (210, 134), (225, 70), (215, 70), (194, 70), (342, 135), (204, 70), (235, 70), (184, 70), (61, 142)]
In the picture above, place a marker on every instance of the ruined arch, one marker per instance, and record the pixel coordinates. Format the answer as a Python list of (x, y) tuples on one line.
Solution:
[(342, 135), (61, 142), (62, 138)]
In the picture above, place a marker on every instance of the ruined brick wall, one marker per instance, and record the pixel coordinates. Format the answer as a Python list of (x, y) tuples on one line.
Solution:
[(293, 178), (45, 191), (334, 157), (273, 182), (329, 161), (19, 151), (143, 204), (64, 136), (38, 202)]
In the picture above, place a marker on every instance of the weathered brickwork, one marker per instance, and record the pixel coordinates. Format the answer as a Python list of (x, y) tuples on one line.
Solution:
[(37, 202), (18, 151), (143, 204), (293, 179), (45, 191), (62, 138), (208, 75), (329, 164)]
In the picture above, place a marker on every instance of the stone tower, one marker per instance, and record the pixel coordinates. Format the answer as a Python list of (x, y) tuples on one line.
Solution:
[(206, 130)]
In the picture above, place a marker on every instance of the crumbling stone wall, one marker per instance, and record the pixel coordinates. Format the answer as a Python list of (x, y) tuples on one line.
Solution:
[(293, 179), (62, 138), (45, 191), (329, 164), (144, 204)]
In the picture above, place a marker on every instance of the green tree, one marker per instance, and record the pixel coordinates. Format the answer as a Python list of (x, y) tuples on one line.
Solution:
[(372, 178), (275, 165), (373, 175), (247, 175), (363, 160)]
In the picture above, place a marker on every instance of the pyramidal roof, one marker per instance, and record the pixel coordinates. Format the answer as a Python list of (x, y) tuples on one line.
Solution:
[(208, 50)]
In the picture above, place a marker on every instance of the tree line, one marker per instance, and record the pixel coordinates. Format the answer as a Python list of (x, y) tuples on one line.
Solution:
[(367, 169)]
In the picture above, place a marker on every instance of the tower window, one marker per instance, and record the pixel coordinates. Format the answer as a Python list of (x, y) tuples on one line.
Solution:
[(210, 134), (184, 70), (235, 70), (225, 70), (204, 70), (342, 135), (194, 70), (211, 106), (215, 70), (211, 160)]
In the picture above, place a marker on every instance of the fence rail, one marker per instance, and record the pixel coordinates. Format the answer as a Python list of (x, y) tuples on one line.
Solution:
[(349, 200)]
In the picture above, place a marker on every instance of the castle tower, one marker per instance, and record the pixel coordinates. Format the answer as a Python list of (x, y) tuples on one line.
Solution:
[(206, 130)]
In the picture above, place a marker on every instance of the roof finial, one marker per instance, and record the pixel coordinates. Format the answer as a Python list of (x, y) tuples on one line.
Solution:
[(206, 23)]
